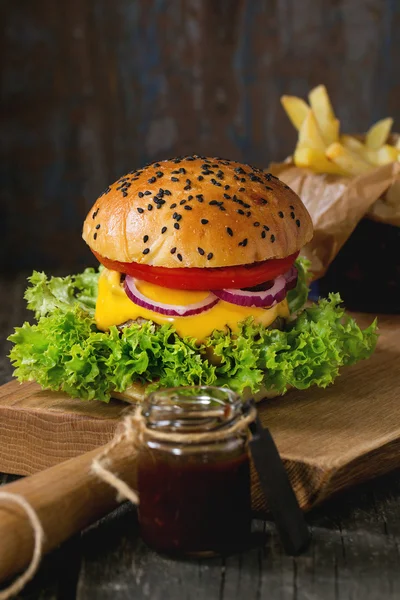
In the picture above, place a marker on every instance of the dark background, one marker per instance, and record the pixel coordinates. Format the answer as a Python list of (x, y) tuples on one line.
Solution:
[(93, 88)]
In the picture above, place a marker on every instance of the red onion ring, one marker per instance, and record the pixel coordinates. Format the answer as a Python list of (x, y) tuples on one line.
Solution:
[(171, 310), (263, 299)]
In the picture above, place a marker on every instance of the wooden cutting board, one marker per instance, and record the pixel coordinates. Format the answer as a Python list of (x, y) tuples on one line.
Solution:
[(329, 439)]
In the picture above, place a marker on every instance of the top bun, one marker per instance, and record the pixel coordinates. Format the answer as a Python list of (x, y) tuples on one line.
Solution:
[(197, 212)]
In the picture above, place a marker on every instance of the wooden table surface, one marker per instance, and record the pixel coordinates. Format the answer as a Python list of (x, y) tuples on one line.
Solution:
[(354, 554)]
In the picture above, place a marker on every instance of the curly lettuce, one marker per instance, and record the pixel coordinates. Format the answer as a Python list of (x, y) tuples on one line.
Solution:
[(65, 351)]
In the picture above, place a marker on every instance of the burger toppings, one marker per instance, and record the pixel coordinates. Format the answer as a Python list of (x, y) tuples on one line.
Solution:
[(167, 309), (237, 277), (275, 292)]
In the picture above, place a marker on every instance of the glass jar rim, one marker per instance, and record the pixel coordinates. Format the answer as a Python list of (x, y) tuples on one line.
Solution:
[(191, 408)]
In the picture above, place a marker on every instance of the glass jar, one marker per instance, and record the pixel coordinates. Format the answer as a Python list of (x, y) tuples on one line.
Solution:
[(193, 475)]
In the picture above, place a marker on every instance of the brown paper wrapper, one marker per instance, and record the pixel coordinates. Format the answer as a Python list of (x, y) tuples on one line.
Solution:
[(337, 204)]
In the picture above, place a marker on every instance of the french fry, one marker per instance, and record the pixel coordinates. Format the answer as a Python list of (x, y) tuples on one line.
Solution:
[(309, 134), (347, 160), (296, 109), (383, 156), (323, 111), (378, 133), (316, 160), (351, 143), (398, 144)]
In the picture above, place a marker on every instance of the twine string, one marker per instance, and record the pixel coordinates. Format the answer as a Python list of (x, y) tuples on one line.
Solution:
[(38, 532), (134, 430)]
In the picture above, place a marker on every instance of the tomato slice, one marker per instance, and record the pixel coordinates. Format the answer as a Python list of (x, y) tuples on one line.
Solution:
[(195, 278)]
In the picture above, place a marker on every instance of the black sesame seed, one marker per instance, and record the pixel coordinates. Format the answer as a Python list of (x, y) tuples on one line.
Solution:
[(200, 178), (226, 187), (200, 251), (174, 179), (236, 177), (268, 176), (98, 226), (266, 227), (204, 221), (173, 205), (229, 231), (267, 187), (173, 250), (167, 192), (222, 208), (297, 222), (187, 187), (164, 229), (146, 250), (210, 255), (292, 215), (156, 164), (176, 172), (160, 193), (263, 234), (243, 243), (214, 203), (145, 238), (140, 210), (124, 194), (178, 217), (240, 211), (175, 215), (94, 236), (179, 256), (140, 194), (286, 187), (147, 193), (149, 207), (188, 182), (187, 207), (242, 189), (255, 178), (182, 170), (243, 179), (182, 202), (240, 170), (190, 198), (176, 225), (151, 180), (281, 215), (227, 196), (200, 197), (256, 223), (272, 238), (292, 207), (94, 215)]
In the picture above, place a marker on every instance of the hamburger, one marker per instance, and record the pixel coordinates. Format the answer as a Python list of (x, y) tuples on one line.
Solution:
[(200, 283)]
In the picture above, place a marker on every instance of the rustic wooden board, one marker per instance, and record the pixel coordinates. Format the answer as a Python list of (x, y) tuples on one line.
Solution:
[(330, 439)]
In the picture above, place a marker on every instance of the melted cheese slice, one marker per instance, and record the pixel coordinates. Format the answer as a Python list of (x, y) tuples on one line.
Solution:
[(114, 308)]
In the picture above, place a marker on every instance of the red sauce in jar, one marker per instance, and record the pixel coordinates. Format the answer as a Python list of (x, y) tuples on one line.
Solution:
[(195, 498)]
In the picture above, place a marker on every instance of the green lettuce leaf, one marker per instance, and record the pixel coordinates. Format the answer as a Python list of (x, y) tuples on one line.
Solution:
[(46, 294), (65, 351), (298, 296)]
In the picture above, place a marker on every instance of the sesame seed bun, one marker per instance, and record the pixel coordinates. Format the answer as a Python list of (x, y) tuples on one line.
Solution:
[(197, 212)]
